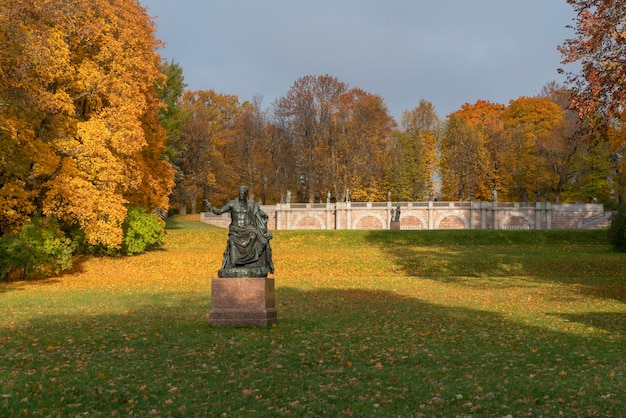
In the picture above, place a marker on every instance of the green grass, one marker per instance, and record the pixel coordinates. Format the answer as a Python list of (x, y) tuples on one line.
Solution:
[(371, 323)]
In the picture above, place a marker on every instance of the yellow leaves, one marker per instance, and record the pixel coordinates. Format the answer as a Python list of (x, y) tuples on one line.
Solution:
[(100, 213), (99, 156), (76, 83), (127, 136), (15, 206), (89, 77), (346, 344), (48, 54)]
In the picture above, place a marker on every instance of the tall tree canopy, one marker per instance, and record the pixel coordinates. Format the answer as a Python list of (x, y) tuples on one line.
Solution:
[(600, 86), (600, 48), (534, 143), (206, 148), (531, 123), (414, 154), (488, 118), (308, 110), (79, 131), (340, 138), (170, 91), (464, 160)]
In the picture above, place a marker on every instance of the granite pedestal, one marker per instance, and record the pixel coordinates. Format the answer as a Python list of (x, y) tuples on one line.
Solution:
[(394, 225), (242, 302)]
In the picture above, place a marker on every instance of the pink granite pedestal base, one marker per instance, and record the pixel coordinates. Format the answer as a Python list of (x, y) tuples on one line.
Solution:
[(242, 302)]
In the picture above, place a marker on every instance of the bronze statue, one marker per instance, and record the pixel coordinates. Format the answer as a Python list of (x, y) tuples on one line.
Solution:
[(396, 216), (248, 252)]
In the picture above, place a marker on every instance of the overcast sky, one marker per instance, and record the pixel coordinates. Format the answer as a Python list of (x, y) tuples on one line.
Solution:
[(448, 52)]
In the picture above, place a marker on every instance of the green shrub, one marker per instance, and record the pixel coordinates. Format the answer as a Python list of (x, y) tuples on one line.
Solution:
[(142, 232), (7, 259), (617, 230), (39, 248)]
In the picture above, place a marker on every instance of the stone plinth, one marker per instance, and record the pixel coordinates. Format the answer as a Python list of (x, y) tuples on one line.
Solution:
[(395, 225), (242, 302)]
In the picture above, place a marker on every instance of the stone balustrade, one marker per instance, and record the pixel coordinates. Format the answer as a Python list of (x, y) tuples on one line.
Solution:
[(428, 215)]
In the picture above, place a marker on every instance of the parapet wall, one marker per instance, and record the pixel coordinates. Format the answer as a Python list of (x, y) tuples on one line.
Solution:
[(428, 215)]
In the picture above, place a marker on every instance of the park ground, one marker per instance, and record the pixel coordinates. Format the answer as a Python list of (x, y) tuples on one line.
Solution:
[(371, 323)]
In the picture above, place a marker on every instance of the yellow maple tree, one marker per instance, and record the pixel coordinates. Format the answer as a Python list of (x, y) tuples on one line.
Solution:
[(78, 114)]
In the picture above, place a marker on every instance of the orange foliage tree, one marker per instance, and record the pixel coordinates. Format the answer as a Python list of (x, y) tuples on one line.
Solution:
[(599, 45), (600, 85), (278, 170), (534, 144), (307, 112), (78, 120), (206, 162), (248, 151), (532, 126), (464, 160), (365, 128), (416, 153), (488, 118), (339, 136)]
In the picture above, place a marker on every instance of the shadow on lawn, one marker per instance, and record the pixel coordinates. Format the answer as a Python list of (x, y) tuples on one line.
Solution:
[(45, 280), (13, 285), (491, 255), (609, 323), (331, 349)]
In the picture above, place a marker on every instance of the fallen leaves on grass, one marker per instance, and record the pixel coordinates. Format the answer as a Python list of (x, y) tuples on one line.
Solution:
[(364, 330)]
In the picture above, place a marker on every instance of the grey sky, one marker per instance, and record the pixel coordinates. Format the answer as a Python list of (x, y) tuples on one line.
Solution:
[(448, 52)]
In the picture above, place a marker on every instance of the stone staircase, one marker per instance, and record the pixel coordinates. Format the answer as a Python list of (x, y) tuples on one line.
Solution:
[(600, 221)]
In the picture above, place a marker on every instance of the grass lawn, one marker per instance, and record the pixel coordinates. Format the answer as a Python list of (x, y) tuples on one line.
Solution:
[(371, 323)]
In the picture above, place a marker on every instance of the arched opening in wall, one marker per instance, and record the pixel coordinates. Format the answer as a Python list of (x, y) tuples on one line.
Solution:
[(451, 222), (411, 222), (369, 222), (307, 222), (515, 222)]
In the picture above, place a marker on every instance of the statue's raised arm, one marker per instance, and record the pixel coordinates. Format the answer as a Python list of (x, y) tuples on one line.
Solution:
[(215, 210), (208, 205)]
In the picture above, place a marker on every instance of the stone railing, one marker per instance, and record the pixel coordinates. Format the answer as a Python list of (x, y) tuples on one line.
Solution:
[(428, 215)]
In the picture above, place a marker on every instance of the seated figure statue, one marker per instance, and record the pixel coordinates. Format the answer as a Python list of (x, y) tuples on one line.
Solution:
[(248, 252)]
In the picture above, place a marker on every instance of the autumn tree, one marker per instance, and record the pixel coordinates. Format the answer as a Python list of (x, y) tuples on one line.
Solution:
[(538, 144), (339, 137), (600, 86), (488, 119), (170, 90), (155, 171), (279, 169), (364, 126), (308, 109), (563, 149), (246, 146), (599, 46), (78, 114), (408, 175), (464, 160), (533, 123), (415, 153), (595, 173), (205, 148), (616, 134)]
